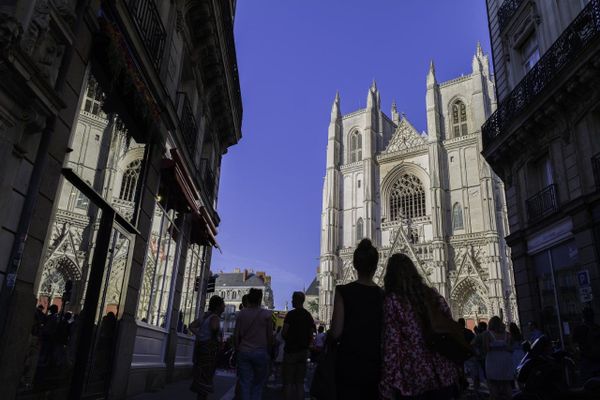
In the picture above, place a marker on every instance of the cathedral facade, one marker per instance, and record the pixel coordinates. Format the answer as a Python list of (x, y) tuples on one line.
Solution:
[(430, 195)]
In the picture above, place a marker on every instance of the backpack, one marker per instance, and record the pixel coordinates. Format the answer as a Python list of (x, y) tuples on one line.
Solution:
[(442, 334)]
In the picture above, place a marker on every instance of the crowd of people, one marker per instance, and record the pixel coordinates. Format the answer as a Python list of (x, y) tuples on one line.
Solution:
[(395, 342)]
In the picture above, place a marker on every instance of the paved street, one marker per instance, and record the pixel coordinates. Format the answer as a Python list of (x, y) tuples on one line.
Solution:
[(224, 390)]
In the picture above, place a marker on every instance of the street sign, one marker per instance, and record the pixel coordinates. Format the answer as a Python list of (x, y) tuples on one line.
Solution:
[(585, 294), (583, 278)]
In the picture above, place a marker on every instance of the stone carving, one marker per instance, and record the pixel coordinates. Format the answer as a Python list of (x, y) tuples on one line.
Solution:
[(405, 137), (10, 31)]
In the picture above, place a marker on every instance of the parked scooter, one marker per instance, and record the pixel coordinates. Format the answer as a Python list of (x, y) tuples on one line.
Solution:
[(546, 374)]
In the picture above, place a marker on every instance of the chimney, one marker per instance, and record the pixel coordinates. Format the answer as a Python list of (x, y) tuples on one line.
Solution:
[(236, 270), (245, 275)]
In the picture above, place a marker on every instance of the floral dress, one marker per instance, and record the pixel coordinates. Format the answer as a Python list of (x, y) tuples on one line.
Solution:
[(409, 367)]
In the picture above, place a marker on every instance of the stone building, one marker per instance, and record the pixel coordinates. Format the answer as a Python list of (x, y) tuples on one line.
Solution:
[(114, 116), (543, 142), (231, 286), (311, 302), (430, 195)]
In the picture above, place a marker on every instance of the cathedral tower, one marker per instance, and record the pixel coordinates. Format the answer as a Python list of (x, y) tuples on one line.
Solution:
[(330, 226)]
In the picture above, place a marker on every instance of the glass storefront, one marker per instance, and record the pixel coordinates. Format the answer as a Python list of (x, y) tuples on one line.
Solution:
[(85, 268), (561, 305)]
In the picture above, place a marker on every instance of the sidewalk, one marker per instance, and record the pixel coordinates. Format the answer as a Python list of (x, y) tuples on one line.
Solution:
[(224, 389)]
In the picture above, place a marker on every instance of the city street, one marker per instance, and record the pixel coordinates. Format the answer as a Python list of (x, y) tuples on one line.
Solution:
[(225, 388)]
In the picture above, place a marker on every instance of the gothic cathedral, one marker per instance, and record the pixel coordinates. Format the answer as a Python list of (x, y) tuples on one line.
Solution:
[(429, 195)]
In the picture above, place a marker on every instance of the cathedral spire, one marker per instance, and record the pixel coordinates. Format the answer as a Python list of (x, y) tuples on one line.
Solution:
[(479, 51), (431, 80), (335, 108), (372, 96), (395, 116)]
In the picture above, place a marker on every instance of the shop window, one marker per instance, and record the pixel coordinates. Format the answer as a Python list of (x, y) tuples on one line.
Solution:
[(558, 290), (159, 267), (192, 285)]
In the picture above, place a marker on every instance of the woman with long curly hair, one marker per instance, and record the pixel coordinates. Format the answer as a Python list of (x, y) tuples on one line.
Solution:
[(410, 369), (356, 324)]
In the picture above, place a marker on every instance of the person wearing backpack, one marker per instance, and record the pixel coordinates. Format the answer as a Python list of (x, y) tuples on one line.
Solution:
[(587, 337), (498, 360), (413, 366)]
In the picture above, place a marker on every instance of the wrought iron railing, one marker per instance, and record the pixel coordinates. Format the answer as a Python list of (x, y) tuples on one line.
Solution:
[(596, 170), (507, 11), (147, 18), (187, 123), (542, 204), (582, 31)]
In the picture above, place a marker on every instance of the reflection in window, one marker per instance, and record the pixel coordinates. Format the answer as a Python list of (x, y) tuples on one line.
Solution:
[(191, 284), (94, 97), (158, 268), (355, 147), (457, 217), (530, 52), (407, 198), (459, 119), (130, 178)]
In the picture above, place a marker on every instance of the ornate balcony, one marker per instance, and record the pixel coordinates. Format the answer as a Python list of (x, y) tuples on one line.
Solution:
[(150, 27), (506, 12), (187, 123), (596, 169), (542, 204), (579, 35)]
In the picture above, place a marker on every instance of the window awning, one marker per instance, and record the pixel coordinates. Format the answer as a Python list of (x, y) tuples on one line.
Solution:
[(203, 229)]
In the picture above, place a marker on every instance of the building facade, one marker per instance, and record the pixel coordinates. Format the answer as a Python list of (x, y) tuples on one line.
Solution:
[(114, 116), (430, 195), (232, 286), (543, 142)]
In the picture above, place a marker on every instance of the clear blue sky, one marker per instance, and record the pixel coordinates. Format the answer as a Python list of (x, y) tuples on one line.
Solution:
[(292, 57)]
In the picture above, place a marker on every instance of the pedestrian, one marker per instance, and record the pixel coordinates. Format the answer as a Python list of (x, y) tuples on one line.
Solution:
[(587, 337), (411, 370), (517, 345), (356, 324), (471, 366), (208, 338), (253, 338), (479, 350), (318, 344), (534, 332), (498, 360), (298, 329), (277, 363)]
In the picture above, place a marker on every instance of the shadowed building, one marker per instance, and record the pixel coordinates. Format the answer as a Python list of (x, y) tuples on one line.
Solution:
[(543, 142)]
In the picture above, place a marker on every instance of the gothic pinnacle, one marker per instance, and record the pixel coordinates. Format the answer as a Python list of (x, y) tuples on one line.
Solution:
[(335, 108)]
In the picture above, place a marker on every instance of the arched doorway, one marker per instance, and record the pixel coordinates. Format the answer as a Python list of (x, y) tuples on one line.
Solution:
[(57, 271), (468, 301)]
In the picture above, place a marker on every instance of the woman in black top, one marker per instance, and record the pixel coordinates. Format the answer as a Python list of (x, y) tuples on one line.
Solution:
[(356, 325)]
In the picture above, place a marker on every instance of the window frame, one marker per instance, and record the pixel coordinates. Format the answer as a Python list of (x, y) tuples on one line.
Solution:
[(355, 147)]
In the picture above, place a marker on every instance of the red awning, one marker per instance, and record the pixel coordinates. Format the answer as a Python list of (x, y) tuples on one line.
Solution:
[(203, 227)]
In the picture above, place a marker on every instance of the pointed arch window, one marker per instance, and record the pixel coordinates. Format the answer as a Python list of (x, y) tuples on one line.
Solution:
[(130, 178), (94, 98), (360, 229), (457, 217), (407, 198), (355, 147), (459, 119)]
